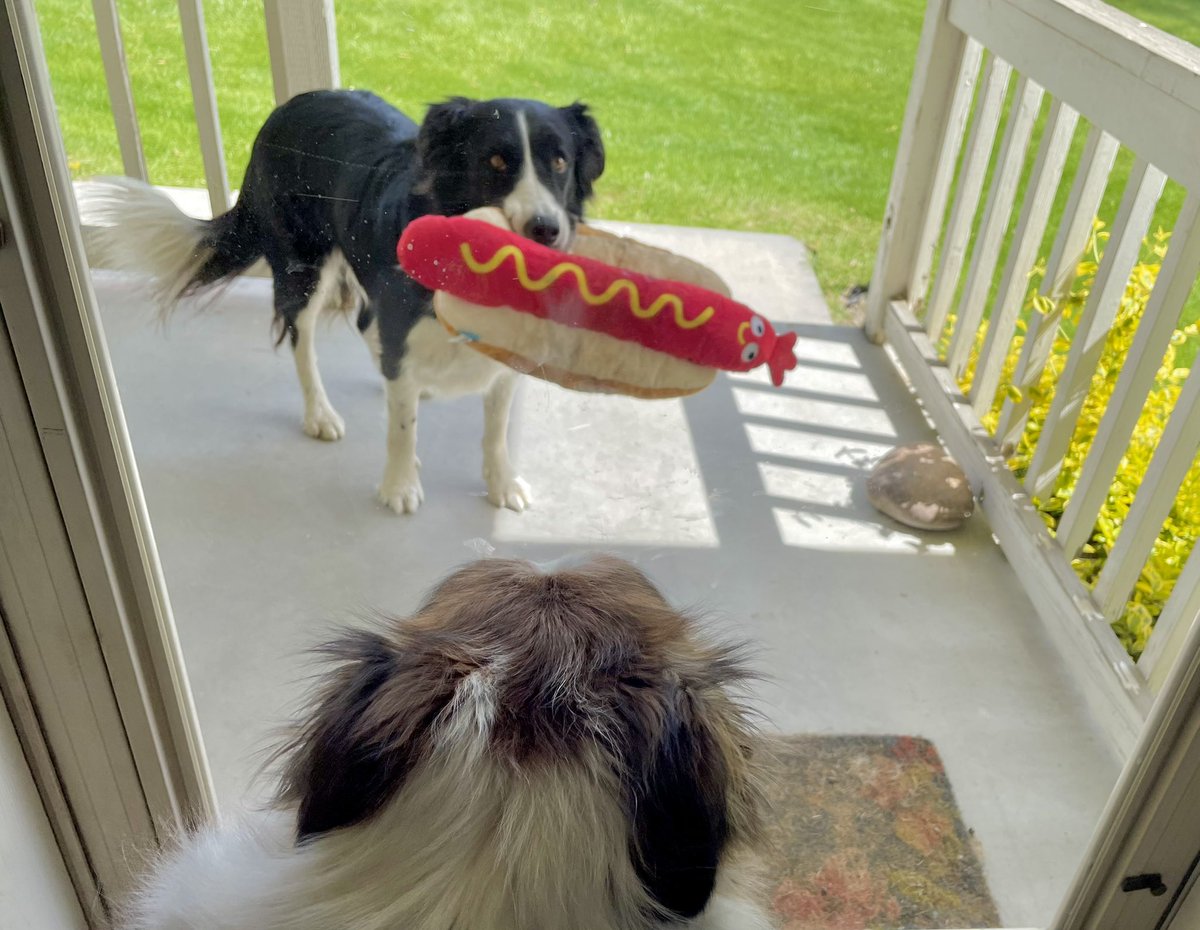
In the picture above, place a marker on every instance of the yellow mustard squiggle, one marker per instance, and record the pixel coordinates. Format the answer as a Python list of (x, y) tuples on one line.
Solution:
[(585, 291)]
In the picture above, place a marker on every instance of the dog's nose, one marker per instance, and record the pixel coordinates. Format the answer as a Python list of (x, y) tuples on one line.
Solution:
[(543, 229)]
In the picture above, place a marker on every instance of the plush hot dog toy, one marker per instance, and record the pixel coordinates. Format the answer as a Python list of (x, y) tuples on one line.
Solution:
[(585, 323)]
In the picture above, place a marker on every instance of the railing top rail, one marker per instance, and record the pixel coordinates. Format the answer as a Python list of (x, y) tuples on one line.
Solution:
[(1138, 83), (1111, 22)]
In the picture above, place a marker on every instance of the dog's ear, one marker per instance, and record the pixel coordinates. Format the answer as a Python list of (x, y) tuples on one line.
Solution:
[(437, 138), (679, 810), (589, 146), (371, 726)]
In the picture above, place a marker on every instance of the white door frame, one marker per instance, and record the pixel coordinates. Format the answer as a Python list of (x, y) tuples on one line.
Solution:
[(90, 666), (1151, 825)]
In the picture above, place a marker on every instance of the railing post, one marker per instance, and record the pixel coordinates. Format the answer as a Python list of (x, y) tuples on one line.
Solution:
[(204, 101), (120, 91), (302, 42), (926, 120)]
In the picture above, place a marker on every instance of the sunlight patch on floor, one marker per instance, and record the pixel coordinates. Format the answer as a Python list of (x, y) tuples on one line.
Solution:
[(871, 421), (806, 486), (814, 447), (808, 529), (619, 470)]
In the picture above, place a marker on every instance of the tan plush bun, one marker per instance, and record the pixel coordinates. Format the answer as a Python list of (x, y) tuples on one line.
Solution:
[(623, 252), (578, 358)]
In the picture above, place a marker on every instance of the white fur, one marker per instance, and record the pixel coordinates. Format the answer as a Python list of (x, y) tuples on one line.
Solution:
[(469, 843), (505, 487), (401, 486), (530, 197), (438, 365), (321, 421), (136, 227)]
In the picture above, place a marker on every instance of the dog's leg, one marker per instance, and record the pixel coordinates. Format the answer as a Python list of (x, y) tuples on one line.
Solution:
[(300, 296), (321, 421), (393, 307), (401, 488), (505, 487)]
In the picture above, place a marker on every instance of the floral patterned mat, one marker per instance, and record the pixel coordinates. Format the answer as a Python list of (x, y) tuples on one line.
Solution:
[(866, 834)]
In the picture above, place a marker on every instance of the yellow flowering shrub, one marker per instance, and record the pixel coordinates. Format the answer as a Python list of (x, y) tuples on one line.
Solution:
[(1179, 533)]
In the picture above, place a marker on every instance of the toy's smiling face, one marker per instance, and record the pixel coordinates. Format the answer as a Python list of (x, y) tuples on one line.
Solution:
[(750, 335), (535, 162)]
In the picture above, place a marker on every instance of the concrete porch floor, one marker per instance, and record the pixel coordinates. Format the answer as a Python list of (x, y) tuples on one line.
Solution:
[(744, 500)]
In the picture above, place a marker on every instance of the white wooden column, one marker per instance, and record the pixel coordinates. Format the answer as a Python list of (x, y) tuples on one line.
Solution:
[(302, 41), (928, 117)]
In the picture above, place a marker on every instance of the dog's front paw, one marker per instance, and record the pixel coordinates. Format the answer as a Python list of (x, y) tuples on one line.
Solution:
[(510, 491), (323, 422), (403, 496)]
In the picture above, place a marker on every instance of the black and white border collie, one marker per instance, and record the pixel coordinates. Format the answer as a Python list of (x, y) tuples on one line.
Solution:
[(529, 751), (334, 177)]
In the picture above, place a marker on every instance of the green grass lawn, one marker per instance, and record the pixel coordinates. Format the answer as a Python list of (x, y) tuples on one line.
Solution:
[(759, 115)]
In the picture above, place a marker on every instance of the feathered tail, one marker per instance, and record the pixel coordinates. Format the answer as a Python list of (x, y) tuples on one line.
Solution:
[(131, 226)]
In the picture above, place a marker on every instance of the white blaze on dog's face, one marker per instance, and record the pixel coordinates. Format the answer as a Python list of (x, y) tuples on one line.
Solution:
[(535, 162), (532, 208), (530, 732)]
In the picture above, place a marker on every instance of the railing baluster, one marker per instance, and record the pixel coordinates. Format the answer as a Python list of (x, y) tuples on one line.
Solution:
[(1173, 623), (1175, 280), (960, 111), (1156, 494), (1079, 215), (120, 91), (1031, 227), (966, 199), (1087, 191), (1027, 98), (927, 120), (204, 100), (1120, 255)]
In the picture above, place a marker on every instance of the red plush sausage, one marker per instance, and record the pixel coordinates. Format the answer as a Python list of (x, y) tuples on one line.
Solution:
[(494, 267)]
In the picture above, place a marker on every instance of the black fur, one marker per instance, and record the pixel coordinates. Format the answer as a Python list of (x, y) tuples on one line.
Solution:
[(345, 170), (370, 728), (679, 814)]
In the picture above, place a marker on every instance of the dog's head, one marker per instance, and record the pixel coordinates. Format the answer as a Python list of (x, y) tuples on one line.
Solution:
[(583, 683), (536, 162)]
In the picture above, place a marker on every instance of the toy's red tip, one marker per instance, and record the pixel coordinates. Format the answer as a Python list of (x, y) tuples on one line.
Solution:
[(783, 358)]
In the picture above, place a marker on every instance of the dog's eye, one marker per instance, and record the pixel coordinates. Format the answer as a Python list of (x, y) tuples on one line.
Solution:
[(498, 162), (559, 165)]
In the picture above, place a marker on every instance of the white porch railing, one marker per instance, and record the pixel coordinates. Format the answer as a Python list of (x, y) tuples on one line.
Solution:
[(1137, 88), (302, 44)]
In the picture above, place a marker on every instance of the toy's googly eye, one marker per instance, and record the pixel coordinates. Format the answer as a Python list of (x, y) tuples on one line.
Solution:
[(750, 353), (758, 327)]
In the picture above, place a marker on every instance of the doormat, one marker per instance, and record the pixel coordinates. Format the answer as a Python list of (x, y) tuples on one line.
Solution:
[(865, 833)]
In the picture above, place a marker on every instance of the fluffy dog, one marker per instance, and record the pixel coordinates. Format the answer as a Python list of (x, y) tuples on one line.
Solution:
[(334, 177), (528, 751)]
